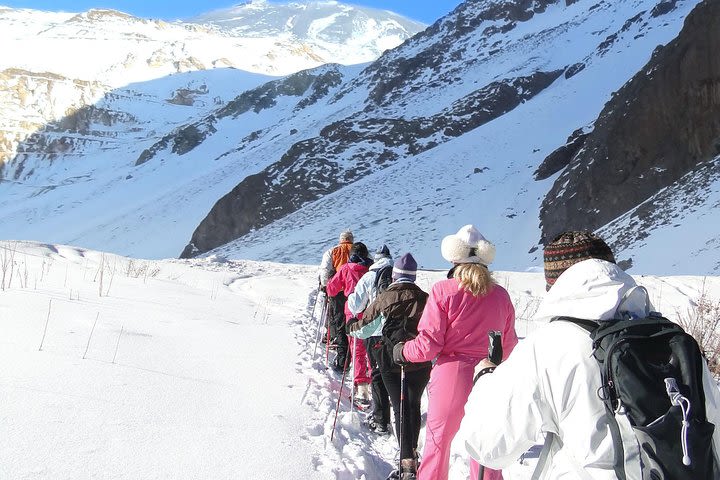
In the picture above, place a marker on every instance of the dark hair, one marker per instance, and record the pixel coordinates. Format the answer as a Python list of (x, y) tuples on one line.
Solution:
[(359, 249)]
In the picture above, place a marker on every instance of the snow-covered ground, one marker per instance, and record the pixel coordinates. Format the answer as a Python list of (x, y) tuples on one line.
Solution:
[(118, 368)]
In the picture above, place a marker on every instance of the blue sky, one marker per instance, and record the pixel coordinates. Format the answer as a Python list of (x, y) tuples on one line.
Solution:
[(426, 11)]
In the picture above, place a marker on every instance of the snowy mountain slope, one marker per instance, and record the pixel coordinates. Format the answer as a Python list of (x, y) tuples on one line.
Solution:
[(139, 79), (124, 203), (684, 214), (340, 33), (489, 180), (118, 48), (449, 128), (42, 79), (217, 356)]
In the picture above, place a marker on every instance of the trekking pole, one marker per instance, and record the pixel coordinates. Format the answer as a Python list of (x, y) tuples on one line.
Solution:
[(352, 395), (317, 331), (319, 290), (337, 407), (329, 319), (495, 354), (402, 416)]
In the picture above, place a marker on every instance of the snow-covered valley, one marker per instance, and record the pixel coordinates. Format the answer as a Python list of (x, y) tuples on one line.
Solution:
[(120, 368)]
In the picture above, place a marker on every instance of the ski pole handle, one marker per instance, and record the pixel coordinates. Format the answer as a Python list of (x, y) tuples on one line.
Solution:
[(495, 353), (495, 350)]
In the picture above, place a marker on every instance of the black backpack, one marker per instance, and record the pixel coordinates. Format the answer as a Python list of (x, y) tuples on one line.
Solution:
[(652, 388), (383, 279)]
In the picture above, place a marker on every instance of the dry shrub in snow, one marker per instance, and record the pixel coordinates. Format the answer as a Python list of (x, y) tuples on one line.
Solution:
[(702, 320)]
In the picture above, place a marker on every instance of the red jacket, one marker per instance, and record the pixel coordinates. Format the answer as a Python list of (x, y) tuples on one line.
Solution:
[(345, 280)]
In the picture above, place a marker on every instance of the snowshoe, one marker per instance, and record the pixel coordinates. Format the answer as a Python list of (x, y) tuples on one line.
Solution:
[(377, 427), (362, 396), (409, 470), (395, 475)]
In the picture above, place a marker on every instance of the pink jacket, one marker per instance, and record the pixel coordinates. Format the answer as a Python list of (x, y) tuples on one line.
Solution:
[(455, 323), (345, 280)]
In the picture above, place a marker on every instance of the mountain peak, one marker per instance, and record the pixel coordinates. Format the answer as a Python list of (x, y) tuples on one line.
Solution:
[(333, 25), (103, 14)]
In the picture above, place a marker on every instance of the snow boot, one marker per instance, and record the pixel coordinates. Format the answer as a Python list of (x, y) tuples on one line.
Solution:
[(362, 392), (394, 475), (362, 395), (377, 427), (409, 469)]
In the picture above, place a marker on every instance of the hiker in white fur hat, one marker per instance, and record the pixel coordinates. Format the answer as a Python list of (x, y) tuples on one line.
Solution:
[(454, 330)]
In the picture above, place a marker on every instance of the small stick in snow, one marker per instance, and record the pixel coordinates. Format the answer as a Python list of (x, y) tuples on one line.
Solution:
[(46, 325), (118, 343), (112, 277), (91, 334)]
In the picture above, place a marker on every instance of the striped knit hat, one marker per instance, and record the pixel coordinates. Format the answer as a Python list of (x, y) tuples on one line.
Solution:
[(405, 267), (570, 248)]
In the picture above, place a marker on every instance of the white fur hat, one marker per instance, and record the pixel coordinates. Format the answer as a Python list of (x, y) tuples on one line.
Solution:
[(467, 246)]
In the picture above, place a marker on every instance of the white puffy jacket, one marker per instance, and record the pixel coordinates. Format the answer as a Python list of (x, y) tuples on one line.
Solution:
[(550, 381), (365, 291), (326, 270)]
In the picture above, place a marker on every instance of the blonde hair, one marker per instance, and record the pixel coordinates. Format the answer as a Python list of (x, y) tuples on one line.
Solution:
[(475, 278)]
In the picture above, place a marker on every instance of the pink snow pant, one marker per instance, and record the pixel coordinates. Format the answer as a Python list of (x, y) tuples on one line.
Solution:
[(448, 391), (488, 475), (361, 361)]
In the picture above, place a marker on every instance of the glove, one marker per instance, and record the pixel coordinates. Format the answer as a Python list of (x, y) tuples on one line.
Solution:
[(398, 355), (349, 325)]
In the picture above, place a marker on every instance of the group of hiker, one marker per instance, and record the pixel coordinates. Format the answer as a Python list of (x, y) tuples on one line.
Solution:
[(401, 340)]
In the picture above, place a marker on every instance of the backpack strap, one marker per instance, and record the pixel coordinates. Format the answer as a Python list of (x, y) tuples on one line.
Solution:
[(614, 326), (618, 448), (544, 455), (589, 325), (552, 444), (592, 328)]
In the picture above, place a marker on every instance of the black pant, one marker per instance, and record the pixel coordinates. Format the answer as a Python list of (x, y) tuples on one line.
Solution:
[(337, 327), (415, 383), (381, 402)]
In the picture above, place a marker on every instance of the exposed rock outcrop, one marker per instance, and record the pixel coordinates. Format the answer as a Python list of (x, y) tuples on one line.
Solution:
[(23, 89), (663, 124)]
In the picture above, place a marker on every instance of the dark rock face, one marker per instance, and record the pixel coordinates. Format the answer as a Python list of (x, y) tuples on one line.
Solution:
[(561, 157), (314, 167), (662, 125), (181, 140), (665, 6)]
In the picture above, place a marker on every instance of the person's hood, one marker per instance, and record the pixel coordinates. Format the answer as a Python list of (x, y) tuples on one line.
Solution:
[(381, 262), (357, 266), (594, 289)]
